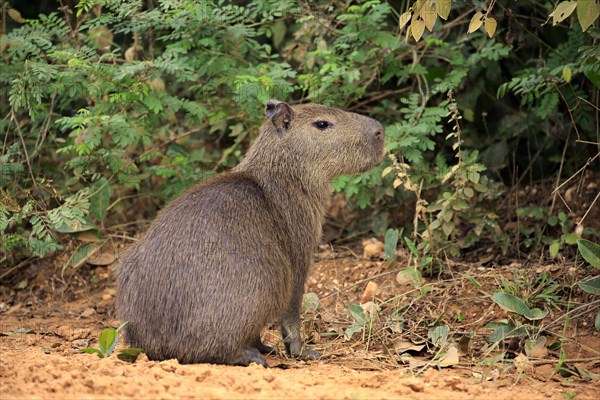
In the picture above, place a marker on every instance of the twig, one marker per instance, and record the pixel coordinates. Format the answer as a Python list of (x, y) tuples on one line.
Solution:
[(14, 118), (559, 319), (19, 265), (587, 163), (568, 360), (589, 209), (45, 126)]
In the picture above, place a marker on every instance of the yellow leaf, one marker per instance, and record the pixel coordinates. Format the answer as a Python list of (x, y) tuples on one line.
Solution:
[(386, 171), (397, 182), (566, 73), (587, 13), (490, 26), (443, 8), (476, 22), (16, 16), (404, 18), (429, 15), (417, 27), (562, 11)]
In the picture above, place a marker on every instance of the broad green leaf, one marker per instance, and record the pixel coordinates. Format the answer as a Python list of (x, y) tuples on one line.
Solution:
[(476, 22), (417, 27), (587, 13), (562, 11), (597, 321), (566, 73), (490, 26), (357, 313), (91, 350), (391, 242), (590, 252), (82, 254), (108, 340), (505, 331), (352, 329), (590, 285), (129, 355), (100, 200), (511, 303), (439, 336)]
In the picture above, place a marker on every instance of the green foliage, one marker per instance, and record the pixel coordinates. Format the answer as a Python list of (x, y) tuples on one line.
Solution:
[(590, 252), (118, 107), (514, 304), (107, 340)]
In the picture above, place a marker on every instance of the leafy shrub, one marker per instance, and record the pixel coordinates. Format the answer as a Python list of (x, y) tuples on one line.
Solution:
[(119, 103)]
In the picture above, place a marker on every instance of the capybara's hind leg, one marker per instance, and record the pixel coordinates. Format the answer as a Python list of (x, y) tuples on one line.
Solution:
[(261, 347)]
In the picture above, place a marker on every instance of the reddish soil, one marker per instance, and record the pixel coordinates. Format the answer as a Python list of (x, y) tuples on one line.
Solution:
[(66, 312)]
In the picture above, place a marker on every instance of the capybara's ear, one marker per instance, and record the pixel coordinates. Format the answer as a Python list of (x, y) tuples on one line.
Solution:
[(280, 114)]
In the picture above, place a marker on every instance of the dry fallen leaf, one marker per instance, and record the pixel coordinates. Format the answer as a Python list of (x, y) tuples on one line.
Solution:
[(101, 258), (369, 293), (402, 346), (450, 358)]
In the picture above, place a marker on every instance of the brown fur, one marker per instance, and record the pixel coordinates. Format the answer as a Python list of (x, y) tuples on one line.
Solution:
[(232, 254)]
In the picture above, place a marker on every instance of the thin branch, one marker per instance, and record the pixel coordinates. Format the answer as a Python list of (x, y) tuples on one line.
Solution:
[(14, 118)]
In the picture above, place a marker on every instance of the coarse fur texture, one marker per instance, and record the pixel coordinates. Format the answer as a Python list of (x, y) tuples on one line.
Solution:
[(232, 254)]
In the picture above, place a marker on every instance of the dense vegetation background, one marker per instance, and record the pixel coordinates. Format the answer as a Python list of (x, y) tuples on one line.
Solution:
[(110, 108)]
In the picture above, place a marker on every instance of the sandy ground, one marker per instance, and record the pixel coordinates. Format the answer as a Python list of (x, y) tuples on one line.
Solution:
[(46, 363)]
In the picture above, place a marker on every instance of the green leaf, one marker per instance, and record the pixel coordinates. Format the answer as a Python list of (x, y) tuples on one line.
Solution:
[(511, 303), (91, 350), (129, 355), (504, 331), (566, 73), (590, 252), (357, 313), (587, 13), (570, 238), (439, 336), (108, 340), (391, 242), (597, 321), (100, 200), (590, 285), (411, 247), (554, 248), (82, 254)]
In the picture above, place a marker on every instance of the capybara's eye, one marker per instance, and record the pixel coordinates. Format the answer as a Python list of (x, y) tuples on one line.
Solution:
[(322, 125)]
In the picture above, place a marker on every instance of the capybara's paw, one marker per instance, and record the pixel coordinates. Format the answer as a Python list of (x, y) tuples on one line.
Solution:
[(249, 356)]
